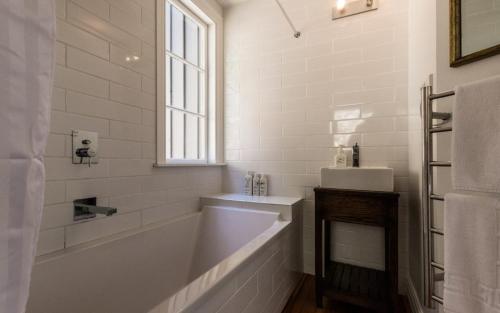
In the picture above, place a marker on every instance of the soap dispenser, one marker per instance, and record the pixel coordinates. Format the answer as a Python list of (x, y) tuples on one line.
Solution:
[(263, 188), (341, 158), (256, 185), (355, 155), (249, 183)]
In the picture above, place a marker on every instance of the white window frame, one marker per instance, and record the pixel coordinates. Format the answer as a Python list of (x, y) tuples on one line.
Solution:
[(212, 154)]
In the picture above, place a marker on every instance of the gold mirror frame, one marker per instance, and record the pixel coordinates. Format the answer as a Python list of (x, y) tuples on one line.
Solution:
[(456, 57)]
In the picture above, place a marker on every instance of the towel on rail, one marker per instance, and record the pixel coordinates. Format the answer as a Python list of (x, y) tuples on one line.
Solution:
[(471, 253), (476, 137)]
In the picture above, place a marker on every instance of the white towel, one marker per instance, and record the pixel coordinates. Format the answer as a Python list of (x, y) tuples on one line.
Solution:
[(476, 137), (471, 253)]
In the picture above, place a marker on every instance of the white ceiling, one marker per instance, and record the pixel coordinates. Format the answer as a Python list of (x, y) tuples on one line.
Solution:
[(226, 3)]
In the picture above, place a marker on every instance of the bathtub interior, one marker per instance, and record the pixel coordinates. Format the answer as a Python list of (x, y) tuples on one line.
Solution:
[(135, 273), (222, 231), (274, 257), (127, 275)]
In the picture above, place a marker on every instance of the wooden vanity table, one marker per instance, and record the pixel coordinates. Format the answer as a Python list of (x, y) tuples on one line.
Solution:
[(364, 287)]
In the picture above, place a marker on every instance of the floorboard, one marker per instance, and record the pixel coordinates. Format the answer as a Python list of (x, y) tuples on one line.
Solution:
[(304, 302)]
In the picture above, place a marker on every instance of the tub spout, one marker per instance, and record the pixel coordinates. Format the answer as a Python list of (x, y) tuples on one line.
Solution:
[(87, 209), (98, 209)]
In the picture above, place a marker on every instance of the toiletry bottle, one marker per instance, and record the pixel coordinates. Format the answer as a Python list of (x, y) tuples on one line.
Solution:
[(263, 185), (355, 155), (341, 158), (249, 183), (256, 184)]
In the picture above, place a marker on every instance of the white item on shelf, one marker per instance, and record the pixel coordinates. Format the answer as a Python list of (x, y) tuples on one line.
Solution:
[(248, 189), (256, 184), (341, 158), (263, 185)]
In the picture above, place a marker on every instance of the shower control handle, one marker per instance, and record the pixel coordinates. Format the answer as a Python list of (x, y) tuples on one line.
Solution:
[(85, 153)]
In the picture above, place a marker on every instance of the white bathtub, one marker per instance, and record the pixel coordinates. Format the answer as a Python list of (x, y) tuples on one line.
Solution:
[(231, 257)]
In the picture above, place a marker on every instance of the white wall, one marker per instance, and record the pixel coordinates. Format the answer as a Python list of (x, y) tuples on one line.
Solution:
[(282, 93), (97, 90), (429, 54), (422, 63), (447, 78)]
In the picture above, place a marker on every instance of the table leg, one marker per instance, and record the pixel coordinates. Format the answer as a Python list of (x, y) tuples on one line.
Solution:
[(319, 261)]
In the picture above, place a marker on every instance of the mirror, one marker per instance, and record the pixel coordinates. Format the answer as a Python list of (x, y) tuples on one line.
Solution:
[(474, 30)]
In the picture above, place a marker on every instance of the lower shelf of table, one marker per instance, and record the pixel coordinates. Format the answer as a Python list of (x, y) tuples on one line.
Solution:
[(356, 285)]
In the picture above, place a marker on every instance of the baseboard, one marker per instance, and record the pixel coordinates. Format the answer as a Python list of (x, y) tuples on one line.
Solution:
[(416, 306)]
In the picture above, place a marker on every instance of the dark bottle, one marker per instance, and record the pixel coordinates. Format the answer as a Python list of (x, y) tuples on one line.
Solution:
[(355, 155)]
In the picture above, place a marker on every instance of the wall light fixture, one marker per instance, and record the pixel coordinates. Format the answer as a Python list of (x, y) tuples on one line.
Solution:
[(344, 8)]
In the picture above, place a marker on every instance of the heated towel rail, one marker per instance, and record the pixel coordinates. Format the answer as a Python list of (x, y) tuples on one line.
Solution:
[(428, 195)]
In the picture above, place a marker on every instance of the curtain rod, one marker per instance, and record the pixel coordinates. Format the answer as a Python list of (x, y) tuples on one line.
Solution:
[(296, 33)]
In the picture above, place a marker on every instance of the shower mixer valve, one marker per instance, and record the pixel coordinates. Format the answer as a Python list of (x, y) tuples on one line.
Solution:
[(85, 153), (84, 147)]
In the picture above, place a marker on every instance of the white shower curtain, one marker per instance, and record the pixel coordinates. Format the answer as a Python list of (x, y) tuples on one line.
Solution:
[(27, 39)]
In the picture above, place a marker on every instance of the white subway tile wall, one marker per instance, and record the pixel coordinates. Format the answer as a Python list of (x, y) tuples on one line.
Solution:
[(96, 89), (289, 102)]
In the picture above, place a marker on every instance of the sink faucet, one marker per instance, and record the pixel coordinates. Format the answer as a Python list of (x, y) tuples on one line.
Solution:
[(87, 209)]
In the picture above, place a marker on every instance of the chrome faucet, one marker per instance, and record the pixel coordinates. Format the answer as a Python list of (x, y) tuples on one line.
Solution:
[(87, 208)]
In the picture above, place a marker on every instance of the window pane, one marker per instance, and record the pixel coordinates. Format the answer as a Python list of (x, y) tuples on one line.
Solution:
[(177, 32), (192, 42), (168, 10), (202, 95), (177, 135), (168, 133), (191, 137), (177, 83), (192, 89), (203, 138)]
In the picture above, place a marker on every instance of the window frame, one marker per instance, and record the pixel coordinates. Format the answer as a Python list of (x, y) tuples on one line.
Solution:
[(164, 101)]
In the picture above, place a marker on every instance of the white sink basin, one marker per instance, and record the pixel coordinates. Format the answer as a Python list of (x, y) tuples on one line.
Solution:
[(366, 178)]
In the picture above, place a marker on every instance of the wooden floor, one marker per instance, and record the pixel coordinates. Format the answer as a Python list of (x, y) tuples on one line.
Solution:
[(304, 302)]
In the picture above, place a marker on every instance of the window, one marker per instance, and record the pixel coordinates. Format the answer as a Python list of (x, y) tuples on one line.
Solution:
[(186, 76), (184, 130)]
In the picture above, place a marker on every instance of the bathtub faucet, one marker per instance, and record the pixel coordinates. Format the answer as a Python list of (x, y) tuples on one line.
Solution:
[(98, 209), (88, 208)]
